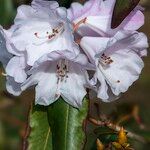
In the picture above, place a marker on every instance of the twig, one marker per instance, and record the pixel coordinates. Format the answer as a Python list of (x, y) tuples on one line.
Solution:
[(117, 128), (27, 131)]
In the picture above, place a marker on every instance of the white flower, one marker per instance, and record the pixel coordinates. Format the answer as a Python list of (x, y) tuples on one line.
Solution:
[(57, 75), (43, 53), (39, 49), (5, 56), (37, 32), (38, 29), (95, 17), (117, 60)]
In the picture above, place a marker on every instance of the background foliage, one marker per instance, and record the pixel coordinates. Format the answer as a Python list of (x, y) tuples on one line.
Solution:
[(133, 106)]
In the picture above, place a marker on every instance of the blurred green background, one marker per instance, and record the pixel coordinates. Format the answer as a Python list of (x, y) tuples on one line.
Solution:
[(14, 110)]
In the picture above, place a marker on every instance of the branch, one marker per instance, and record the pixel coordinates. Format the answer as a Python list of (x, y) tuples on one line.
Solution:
[(117, 128)]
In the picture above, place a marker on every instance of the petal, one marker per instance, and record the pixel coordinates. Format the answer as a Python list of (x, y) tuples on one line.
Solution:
[(46, 80), (13, 87), (107, 6), (103, 88), (74, 11), (123, 71), (16, 69), (35, 52), (134, 21), (73, 90), (46, 4), (56, 55), (135, 41), (62, 12), (140, 45), (53, 56), (93, 46), (39, 9), (102, 23), (78, 12), (25, 39), (5, 56), (24, 12), (7, 35)]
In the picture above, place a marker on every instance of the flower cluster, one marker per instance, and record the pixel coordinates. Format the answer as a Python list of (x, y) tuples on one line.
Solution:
[(57, 49)]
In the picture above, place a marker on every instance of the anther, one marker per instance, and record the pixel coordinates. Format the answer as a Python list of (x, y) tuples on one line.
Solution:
[(104, 60), (118, 81), (36, 34)]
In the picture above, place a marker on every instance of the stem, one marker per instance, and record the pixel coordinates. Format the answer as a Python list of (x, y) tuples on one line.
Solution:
[(117, 128)]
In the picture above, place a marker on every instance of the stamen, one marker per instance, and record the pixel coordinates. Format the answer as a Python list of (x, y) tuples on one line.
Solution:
[(4, 74), (78, 41), (62, 70), (104, 60), (55, 33), (76, 26), (118, 81)]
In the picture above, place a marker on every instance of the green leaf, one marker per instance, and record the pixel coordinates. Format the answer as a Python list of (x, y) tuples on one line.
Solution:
[(7, 12), (107, 138), (65, 3), (121, 10), (67, 125), (40, 136), (105, 135)]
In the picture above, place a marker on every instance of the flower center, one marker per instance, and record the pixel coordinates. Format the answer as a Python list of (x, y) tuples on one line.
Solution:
[(105, 60), (62, 74), (55, 33), (62, 70)]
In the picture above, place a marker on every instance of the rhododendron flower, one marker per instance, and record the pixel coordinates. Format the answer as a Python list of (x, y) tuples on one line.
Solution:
[(38, 29), (96, 15), (117, 60), (56, 75), (55, 49)]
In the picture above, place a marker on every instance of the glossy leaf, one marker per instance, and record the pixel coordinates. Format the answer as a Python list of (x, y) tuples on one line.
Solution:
[(121, 10), (65, 3), (40, 136), (67, 124), (7, 12)]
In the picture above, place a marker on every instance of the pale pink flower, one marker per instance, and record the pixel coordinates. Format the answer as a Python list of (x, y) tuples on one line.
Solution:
[(96, 15)]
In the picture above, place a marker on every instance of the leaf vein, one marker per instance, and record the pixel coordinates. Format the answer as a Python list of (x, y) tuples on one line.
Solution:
[(47, 136)]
